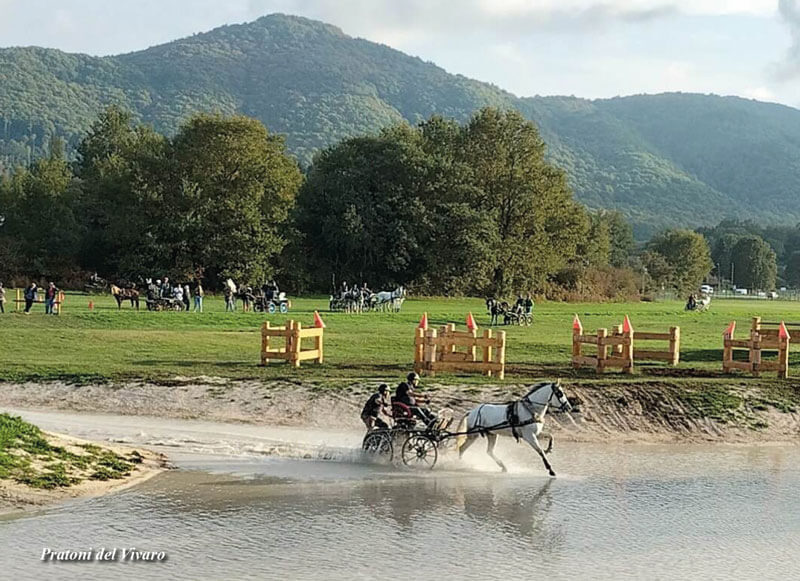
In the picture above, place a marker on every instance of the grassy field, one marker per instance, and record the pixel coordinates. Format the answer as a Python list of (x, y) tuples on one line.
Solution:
[(84, 345)]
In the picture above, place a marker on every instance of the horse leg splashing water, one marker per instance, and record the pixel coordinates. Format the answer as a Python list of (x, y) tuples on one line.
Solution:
[(492, 420)]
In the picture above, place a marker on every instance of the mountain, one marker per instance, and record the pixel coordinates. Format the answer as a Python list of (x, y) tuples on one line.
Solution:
[(670, 159)]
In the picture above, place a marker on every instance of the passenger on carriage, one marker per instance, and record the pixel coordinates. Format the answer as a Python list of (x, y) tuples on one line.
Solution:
[(405, 395), (376, 404)]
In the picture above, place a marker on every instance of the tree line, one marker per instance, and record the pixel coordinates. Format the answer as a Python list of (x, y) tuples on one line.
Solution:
[(441, 207)]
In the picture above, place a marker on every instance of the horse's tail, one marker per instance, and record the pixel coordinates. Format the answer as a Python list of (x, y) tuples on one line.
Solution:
[(462, 437)]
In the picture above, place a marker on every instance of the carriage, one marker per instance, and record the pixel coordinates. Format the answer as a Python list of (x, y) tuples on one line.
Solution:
[(156, 303), (266, 303), (418, 447)]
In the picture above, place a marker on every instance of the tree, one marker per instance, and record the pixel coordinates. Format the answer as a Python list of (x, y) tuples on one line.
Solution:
[(755, 264), (792, 273), (621, 234), (687, 254), (537, 223), (226, 193)]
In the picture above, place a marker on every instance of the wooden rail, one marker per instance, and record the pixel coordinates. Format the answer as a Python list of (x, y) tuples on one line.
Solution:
[(439, 351), (614, 350), (291, 350), (760, 340)]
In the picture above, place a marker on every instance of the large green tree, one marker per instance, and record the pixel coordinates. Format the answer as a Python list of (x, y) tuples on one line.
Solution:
[(226, 193), (687, 255), (755, 264)]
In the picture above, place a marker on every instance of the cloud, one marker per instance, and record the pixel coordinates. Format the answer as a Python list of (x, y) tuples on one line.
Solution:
[(789, 69)]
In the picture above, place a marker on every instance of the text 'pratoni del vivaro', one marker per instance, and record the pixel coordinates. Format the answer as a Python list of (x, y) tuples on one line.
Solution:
[(116, 554)]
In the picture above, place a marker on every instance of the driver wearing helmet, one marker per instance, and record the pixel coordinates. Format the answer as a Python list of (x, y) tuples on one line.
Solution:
[(405, 394)]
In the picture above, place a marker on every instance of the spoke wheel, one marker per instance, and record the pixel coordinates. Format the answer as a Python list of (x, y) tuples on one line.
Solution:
[(377, 446), (419, 451)]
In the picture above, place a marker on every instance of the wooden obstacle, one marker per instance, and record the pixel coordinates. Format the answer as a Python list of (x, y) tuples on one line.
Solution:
[(761, 339), (292, 351), (672, 354), (56, 304), (451, 350), (615, 350)]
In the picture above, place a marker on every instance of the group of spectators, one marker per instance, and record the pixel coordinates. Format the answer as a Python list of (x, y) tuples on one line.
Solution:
[(31, 296), (181, 293)]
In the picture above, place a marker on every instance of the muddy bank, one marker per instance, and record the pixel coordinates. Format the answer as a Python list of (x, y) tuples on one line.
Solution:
[(16, 497), (635, 411)]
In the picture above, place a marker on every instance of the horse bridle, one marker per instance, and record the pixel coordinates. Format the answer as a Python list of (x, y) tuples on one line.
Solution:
[(555, 391)]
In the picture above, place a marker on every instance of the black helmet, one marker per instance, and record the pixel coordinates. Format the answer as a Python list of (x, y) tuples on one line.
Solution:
[(412, 376), (383, 388)]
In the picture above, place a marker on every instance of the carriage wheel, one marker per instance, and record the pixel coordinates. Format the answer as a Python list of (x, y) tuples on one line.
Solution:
[(377, 445), (271, 308), (419, 451), (284, 308)]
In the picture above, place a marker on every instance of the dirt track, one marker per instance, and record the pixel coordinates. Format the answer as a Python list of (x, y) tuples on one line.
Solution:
[(636, 412)]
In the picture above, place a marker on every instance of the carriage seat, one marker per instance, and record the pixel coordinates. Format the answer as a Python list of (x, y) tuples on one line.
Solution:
[(402, 415)]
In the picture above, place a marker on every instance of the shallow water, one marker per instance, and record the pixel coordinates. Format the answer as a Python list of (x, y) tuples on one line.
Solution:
[(247, 505)]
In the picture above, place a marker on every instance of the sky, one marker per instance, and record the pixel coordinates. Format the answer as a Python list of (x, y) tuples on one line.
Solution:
[(585, 48)]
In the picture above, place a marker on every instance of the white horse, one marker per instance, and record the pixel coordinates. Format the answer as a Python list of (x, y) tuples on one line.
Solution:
[(523, 418), (393, 299)]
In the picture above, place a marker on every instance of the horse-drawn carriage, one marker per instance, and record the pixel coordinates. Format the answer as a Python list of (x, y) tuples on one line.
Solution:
[(516, 315), (269, 303), (158, 303), (419, 444), (360, 300)]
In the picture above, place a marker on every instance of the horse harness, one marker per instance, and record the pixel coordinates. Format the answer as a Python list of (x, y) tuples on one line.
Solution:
[(512, 417)]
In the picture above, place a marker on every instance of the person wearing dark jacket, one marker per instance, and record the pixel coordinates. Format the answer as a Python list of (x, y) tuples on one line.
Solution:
[(31, 293), (406, 395), (376, 404)]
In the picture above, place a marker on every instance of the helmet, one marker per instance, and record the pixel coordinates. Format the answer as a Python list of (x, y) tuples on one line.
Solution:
[(383, 388), (412, 376)]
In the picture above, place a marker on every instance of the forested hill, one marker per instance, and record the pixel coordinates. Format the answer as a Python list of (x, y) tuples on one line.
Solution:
[(673, 159)]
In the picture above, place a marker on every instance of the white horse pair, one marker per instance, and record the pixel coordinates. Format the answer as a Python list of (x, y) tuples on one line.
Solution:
[(391, 299), (527, 415)]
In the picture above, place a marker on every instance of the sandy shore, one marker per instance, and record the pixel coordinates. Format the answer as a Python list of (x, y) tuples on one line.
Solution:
[(618, 412), (16, 497)]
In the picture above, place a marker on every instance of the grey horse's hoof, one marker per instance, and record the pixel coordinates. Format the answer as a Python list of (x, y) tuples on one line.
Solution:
[(553, 474)]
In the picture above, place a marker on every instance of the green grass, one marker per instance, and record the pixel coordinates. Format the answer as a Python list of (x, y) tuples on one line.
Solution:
[(28, 458), (107, 344)]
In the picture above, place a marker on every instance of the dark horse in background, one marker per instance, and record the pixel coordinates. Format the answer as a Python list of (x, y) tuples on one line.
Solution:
[(496, 309), (125, 294)]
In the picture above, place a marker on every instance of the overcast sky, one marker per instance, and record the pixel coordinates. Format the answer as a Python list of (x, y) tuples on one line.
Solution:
[(749, 48)]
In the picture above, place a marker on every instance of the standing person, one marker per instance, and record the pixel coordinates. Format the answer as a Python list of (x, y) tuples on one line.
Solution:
[(230, 299), (178, 293), (50, 299), (247, 297), (31, 293), (187, 297), (198, 297), (166, 289), (2, 298)]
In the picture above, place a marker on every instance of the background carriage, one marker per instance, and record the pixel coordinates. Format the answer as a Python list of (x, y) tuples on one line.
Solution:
[(264, 304)]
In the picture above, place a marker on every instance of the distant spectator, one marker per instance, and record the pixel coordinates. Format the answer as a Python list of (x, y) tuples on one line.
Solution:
[(166, 288), (198, 297), (177, 293), (230, 299), (31, 293), (50, 296), (2, 298), (187, 297)]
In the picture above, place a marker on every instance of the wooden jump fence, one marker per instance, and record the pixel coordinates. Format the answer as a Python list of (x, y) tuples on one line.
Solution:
[(56, 304), (761, 339), (451, 350), (292, 351), (619, 348)]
